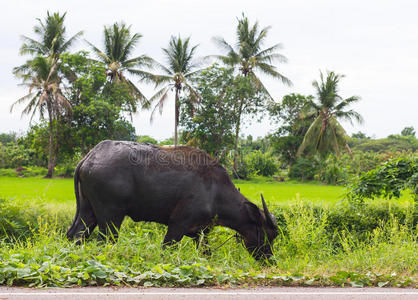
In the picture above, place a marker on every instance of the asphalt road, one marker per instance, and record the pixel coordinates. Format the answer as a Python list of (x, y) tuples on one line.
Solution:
[(279, 293)]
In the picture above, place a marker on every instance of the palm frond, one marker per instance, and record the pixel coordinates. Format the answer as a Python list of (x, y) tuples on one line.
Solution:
[(71, 40), (143, 75), (162, 79), (312, 136), (99, 53), (139, 61), (260, 86), (346, 102), (193, 93), (163, 68), (349, 116), (162, 96), (224, 45), (31, 46), (22, 99), (270, 70)]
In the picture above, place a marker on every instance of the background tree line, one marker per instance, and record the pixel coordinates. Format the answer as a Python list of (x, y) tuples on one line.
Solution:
[(84, 97)]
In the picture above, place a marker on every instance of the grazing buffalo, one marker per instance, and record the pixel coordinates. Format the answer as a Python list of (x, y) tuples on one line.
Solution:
[(181, 187)]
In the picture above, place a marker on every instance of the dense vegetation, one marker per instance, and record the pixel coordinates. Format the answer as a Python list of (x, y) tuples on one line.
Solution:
[(321, 242)]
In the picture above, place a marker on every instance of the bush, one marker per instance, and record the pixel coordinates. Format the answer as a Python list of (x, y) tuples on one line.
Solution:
[(13, 155), (358, 221), (67, 168), (30, 171), (333, 172), (33, 171), (242, 170), (261, 163), (17, 220), (8, 172), (387, 180), (303, 169)]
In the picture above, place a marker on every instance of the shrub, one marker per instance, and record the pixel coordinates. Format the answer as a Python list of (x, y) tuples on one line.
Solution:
[(13, 155), (387, 180), (33, 171), (30, 171), (242, 170), (16, 219), (8, 172), (303, 169), (261, 163), (67, 168), (333, 172)]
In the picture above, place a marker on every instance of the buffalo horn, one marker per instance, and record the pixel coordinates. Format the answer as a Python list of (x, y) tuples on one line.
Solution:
[(267, 213)]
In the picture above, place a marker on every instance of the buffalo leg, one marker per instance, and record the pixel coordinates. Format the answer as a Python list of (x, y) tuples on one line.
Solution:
[(174, 234), (109, 228), (84, 224), (201, 240), (183, 218)]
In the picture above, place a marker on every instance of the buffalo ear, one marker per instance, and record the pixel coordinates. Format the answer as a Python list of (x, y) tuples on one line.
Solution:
[(253, 212)]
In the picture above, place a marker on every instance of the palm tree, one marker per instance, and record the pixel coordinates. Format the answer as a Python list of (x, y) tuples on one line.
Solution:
[(119, 44), (249, 56), (43, 82), (326, 134), (41, 74), (177, 74)]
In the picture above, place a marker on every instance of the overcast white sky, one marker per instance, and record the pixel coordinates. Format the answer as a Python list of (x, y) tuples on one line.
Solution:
[(374, 43)]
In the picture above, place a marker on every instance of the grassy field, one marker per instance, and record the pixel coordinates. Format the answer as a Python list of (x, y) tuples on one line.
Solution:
[(58, 190), (323, 241), (61, 190)]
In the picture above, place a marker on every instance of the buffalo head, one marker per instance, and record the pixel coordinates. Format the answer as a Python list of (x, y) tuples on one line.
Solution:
[(258, 238)]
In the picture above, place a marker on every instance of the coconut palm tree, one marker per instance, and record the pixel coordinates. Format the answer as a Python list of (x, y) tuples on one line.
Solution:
[(326, 134), (45, 94), (177, 74), (41, 74), (250, 58), (248, 54), (119, 45)]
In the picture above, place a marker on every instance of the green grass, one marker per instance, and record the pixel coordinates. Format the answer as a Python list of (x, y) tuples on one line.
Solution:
[(314, 247), (288, 192), (62, 190), (59, 190)]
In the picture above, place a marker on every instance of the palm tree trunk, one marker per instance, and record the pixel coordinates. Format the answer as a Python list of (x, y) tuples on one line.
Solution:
[(237, 129), (51, 143), (176, 117), (236, 147)]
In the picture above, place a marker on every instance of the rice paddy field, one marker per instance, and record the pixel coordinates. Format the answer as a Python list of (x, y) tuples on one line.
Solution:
[(323, 241)]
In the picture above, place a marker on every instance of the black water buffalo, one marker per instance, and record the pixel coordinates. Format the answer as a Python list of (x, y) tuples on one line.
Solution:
[(181, 187)]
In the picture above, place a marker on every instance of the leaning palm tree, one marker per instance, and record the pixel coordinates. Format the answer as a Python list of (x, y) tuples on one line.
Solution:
[(45, 94), (119, 44), (250, 58), (326, 134), (177, 74), (41, 73)]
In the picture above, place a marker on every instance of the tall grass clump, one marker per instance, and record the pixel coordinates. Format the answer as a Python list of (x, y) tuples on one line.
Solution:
[(304, 237)]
